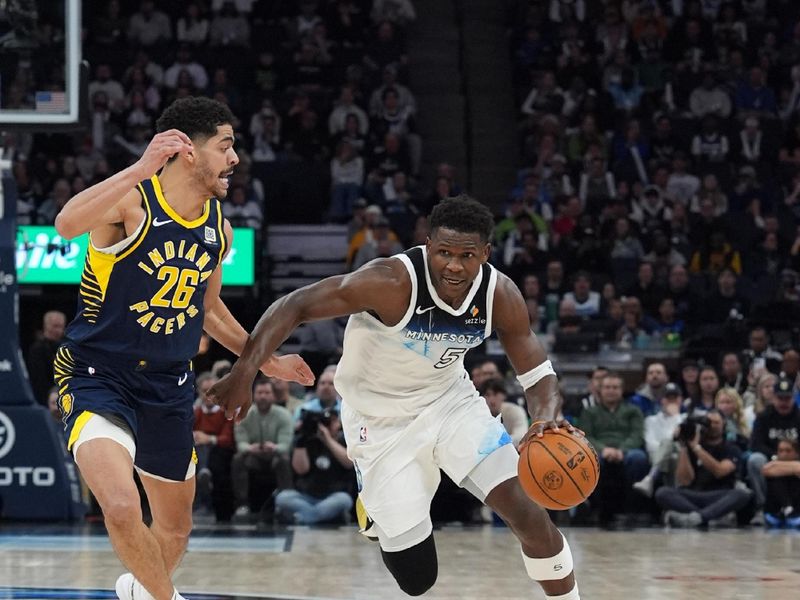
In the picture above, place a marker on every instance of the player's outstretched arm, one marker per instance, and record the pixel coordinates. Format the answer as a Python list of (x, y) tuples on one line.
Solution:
[(221, 325), (382, 286), (102, 204), (529, 359)]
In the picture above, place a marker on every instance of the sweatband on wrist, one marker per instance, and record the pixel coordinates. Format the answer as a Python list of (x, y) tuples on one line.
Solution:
[(532, 377)]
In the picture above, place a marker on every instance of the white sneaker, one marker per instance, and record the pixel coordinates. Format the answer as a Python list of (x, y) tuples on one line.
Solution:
[(679, 519), (129, 588), (242, 511), (645, 486), (727, 520)]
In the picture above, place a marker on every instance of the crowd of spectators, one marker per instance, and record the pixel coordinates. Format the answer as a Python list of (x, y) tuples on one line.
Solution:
[(659, 177), (285, 461), (716, 454), (323, 115), (658, 206)]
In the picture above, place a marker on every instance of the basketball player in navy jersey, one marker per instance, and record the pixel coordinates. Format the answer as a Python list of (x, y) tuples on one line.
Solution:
[(409, 407), (150, 286)]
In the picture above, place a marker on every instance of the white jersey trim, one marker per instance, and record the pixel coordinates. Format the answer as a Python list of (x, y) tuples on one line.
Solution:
[(412, 300), (490, 300), (456, 312), (122, 244)]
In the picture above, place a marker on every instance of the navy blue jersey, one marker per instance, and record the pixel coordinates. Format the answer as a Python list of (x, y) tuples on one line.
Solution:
[(143, 297)]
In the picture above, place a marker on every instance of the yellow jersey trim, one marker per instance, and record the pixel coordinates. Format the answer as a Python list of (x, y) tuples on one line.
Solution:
[(148, 218), (80, 423), (100, 265), (223, 241), (171, 211)]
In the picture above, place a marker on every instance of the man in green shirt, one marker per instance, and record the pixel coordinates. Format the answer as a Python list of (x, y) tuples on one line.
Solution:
[(262, 444), (616, 430)]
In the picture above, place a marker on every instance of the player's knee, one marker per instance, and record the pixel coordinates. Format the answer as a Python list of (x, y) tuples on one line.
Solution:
[(414, 569), (121, 510), (177, 526), (185, 525), (416, 583)]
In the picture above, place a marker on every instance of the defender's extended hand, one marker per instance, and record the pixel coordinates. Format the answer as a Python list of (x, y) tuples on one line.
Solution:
[(290, 367), (233, 394)]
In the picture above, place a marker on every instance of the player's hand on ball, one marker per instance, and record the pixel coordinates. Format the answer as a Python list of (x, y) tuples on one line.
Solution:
[(233, 394), (539, 426)]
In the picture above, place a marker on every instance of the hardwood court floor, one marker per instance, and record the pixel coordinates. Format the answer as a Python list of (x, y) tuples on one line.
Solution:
[(474, 563)]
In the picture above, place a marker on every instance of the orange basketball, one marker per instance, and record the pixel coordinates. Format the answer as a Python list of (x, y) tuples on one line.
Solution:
[(558, 471)]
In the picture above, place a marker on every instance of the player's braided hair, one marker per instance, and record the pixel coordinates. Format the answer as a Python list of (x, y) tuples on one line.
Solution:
[(465, 215), (195, 116)]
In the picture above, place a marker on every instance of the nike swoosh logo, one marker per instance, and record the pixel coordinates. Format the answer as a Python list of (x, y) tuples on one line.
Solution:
[(422, 311), (182, 379), (157, 223)]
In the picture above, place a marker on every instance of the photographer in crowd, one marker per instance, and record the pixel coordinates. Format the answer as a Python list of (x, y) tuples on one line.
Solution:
[(323, 473), (262, 440), (705, 475), (326, 396)]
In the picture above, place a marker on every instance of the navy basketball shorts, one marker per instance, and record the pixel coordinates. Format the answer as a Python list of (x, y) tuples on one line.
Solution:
[(154, 400)]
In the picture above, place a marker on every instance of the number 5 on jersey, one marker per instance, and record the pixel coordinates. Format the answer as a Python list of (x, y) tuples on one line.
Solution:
[(449, 356)]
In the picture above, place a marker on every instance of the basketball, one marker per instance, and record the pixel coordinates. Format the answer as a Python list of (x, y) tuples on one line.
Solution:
[(558, 471)]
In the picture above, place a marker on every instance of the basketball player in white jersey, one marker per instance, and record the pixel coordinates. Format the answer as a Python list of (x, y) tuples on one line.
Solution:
[(409, 407)]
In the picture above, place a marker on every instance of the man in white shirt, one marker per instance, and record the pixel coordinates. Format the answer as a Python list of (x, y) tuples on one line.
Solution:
[(587, 302), (659, 430)]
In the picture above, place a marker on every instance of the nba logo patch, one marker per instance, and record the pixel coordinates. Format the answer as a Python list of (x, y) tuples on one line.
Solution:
[(210, 235), (362, 434)]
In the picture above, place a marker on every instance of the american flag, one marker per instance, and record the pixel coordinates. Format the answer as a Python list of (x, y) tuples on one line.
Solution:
[(51, 102)]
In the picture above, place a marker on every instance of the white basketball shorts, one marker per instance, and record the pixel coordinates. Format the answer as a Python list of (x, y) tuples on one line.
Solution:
[(397, 459)]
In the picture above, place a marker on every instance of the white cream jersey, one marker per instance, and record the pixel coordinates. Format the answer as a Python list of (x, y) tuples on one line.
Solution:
[(398, 371)]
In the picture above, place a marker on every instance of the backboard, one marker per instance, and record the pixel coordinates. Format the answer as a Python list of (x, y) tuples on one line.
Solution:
[(40, 64)]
